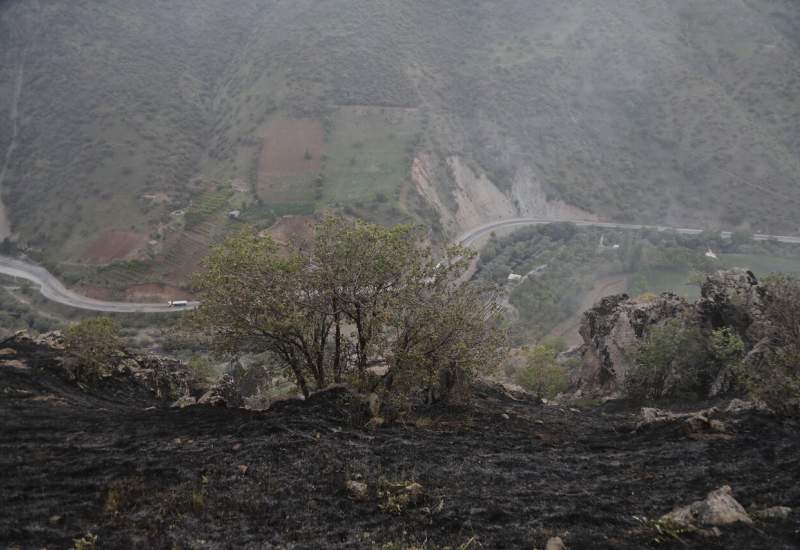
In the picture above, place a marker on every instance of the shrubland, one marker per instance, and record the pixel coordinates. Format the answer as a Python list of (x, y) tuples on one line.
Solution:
[(755, 347), (563, 266), (90, 347), (357, 298)]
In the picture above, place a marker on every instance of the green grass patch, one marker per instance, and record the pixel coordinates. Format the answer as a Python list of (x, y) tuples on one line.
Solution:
[(369, 153), (762, 265), (663, 280), (204, 206)]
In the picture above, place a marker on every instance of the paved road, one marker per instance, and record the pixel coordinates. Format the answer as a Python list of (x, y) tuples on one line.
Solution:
[(52, 288), (469, 237)]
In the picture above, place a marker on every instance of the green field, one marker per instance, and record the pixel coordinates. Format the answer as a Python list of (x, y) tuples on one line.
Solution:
[(676, 280), (664, 280), (762, 265), (369, 153)]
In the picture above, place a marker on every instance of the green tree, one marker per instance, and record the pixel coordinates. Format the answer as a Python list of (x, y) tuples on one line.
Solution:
[(542, 374), (91, 346), (776, 379), (360, 293), (672, 359)]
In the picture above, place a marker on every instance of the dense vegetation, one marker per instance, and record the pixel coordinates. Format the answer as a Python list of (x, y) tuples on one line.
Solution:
[(358, 294), (756, 349), (563, 265)]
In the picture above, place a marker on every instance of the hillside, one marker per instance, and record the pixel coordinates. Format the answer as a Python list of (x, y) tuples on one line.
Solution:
[(501, 471), (138, 126)]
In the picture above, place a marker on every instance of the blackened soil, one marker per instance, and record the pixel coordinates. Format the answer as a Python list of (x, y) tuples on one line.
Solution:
[(72, 464)]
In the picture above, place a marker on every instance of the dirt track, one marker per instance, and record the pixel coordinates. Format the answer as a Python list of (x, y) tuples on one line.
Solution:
[(168, 478)]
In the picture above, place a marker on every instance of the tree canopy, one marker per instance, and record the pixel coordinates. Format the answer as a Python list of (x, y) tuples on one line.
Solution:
[(361, 295)]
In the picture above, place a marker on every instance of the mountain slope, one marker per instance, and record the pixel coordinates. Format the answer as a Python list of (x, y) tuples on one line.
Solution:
[(678, 112)]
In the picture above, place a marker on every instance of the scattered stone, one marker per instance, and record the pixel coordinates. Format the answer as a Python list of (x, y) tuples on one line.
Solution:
[(555, 543), (697, 425), (56, 519), (212, 399), (185, 401), (243, 469), (773, 513), (224, 393), (505, 416), (375, 422), (718, 508), (14, 364), (740, 405), (237, 446), (357, 489)]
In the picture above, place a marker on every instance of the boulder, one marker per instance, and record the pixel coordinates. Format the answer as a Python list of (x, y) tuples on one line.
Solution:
[(168, 379), (774, 513), (614, 325), (358, 490), (718, 508), (185, 401), (225, 393), (733, 298), (555, 543)]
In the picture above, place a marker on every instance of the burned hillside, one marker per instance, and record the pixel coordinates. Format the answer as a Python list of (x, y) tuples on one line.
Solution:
[(499, 471)]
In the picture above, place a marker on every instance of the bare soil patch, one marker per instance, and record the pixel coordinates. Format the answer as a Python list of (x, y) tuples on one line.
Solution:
[(289, 230), (155, 293), (292, 147), (114, 245)]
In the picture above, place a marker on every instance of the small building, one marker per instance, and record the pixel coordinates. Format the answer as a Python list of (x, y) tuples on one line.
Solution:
[(234, 214), (513, 277), (710, 254)]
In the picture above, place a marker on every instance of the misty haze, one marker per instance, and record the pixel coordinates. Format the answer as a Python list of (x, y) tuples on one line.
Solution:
[(399, 274)]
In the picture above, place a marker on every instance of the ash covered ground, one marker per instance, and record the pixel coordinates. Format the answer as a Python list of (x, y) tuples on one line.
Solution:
[(501, 471)]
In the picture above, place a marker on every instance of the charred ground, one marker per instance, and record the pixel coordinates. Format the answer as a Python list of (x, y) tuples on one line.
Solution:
[(502, 471)]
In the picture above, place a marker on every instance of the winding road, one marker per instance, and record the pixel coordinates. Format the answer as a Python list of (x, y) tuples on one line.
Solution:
[(469, 237), (54, 290)]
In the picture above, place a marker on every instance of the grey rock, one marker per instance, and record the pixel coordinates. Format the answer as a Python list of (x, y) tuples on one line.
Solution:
[(555, 543), (718, 508), (358, 490), (613, 325), (773, 513), (732, 298)]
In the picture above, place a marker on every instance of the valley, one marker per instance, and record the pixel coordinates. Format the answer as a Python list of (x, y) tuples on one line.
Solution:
[(448, 116)]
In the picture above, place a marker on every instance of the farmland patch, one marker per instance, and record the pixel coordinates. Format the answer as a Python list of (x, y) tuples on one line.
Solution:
[(114, 245)]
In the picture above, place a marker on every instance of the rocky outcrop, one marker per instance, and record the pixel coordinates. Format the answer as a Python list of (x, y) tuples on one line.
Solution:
[(225, 393), (168, 379), (613, 326), (734, 299), (157, 377), (718, 508), (731, 298)]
